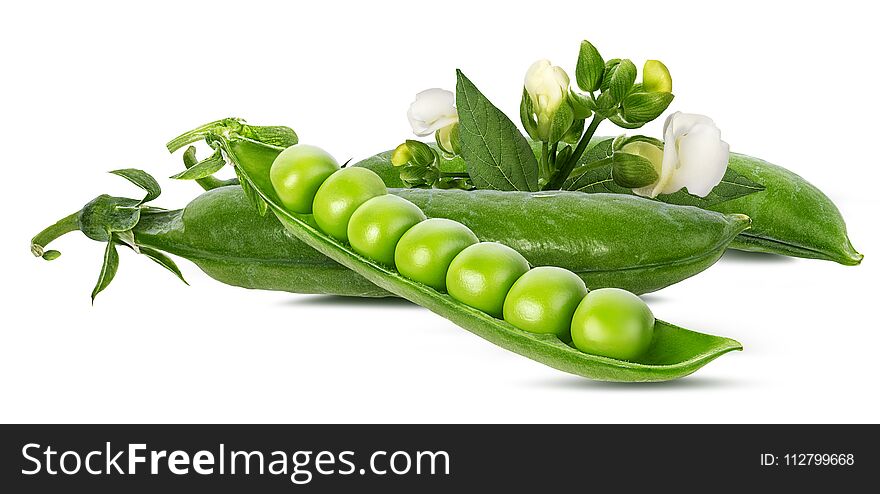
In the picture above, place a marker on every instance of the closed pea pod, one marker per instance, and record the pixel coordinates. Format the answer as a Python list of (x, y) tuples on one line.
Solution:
[(790, 216)]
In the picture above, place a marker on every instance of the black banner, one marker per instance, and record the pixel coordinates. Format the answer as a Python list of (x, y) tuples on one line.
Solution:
[(412, 458)]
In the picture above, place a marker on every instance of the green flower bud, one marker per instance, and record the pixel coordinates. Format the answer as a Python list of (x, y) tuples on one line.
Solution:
[(656, 77), (590, 68), (636, 162), (447, 139), (547, 114), (401, 155), (422, 154)]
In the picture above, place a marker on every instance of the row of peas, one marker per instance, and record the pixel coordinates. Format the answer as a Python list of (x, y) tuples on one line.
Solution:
[(353, 206)]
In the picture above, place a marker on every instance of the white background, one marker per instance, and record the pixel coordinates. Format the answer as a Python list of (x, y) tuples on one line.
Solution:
[(88, 87)]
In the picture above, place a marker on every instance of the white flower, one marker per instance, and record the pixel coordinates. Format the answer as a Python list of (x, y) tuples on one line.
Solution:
[(694, 156), (547, 87), (432, 110)]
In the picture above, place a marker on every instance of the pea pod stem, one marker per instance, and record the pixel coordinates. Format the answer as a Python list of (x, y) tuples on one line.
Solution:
[(65, 225)]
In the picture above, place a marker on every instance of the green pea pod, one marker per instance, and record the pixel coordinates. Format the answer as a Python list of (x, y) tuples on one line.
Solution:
[(675, 352), (790, 216), (222, 233)]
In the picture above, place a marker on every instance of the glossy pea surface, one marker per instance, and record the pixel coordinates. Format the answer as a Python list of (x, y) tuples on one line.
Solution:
[(298, 172), (340, 195), (613, 323), (544, 300), (482, 274), (377, 225), (425, 252)]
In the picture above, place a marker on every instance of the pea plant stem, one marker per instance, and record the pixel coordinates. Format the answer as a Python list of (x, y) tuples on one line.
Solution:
[(455, 175), (65, 225), (545, 168), (565, 170)]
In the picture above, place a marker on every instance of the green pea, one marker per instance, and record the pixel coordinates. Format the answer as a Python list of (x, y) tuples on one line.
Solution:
[(298, 172), (482, 274), (426, 250), (340, 195), (544, 300), (613, 323), (376, 226)]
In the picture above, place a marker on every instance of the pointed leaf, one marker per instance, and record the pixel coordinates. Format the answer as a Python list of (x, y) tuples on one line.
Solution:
[(275, 135), (143, 180), (202, 169), (497, 155), (108, 269), (127, 238), (593, 179), (162, 260)]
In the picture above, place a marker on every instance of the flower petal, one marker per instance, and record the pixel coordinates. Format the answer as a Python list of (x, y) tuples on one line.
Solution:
[(702, 157)]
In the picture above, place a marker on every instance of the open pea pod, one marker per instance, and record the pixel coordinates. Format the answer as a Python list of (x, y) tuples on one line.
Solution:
[(675, 352)]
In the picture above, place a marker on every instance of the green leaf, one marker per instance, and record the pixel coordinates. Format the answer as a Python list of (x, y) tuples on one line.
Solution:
[(275, 135), (582, 105), (733, 185), (632, 170), (644, 107), (143, 180), (108, 269), (600, 179), (107, 214), (202, 169), (564, 154), (590, 67), (497, 155), (163, 260), (601, 149), (127, 237)]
